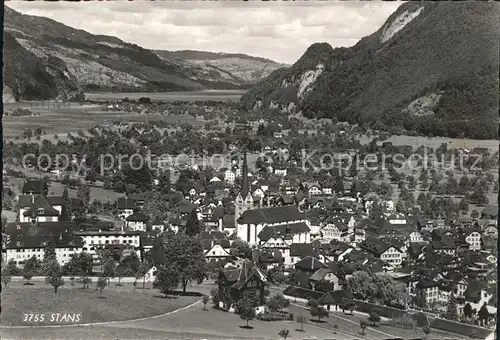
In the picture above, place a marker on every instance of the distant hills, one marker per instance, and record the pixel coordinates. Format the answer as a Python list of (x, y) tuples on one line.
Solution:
[(44, 59), (431, 69)]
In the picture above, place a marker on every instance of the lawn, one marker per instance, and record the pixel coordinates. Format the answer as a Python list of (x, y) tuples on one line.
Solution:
[(112, 305), (349, 324), (219, 324)]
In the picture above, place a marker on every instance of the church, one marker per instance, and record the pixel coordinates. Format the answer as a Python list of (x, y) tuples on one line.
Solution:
[(251, 219)]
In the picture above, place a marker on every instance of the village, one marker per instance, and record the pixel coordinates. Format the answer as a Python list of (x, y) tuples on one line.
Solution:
[(386, 242)]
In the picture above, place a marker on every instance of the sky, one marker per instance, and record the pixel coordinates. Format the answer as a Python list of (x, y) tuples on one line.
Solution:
[(281, 31)]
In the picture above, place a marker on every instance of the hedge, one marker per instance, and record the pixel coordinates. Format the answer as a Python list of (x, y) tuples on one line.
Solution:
[(302, 293)]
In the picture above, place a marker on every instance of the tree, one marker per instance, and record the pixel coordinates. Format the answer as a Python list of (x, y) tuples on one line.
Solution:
[(187, 255), (27, 275), (120, 272), (83, 193), (349, 305), (193, 224), (312, 303), (277, 302), (374, 317), (240, 248), (468, 310), (141, 273), (451, 310), (101, 283), (301, 319), (12, 269), (376, 211), (483, 314), (164, 185), (49, 256), (363, 324), (318, 312), (205, 301), (32, 265), (167, 279), (66, 209), (54, 275), (246, 310), (284, 333), (427, 331), (108, 270), (6, 279)]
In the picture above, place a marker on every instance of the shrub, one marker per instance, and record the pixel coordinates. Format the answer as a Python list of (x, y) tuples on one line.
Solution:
[(404, 321)]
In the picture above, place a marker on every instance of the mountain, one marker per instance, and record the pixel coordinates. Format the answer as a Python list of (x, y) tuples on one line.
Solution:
[(44, 59), (229, 67), (431, 69)]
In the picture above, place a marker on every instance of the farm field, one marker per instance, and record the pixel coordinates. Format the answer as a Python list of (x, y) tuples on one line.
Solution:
[(224, 95), (60, 122), (114, 304)]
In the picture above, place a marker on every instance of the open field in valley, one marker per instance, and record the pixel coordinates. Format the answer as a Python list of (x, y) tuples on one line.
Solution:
[(223, 95), (64, 121), (113, 304)]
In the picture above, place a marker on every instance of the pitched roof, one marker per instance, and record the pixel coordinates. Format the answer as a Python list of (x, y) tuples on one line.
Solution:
[(283, 230), (30, 235), (34, 186), (137, 217), (310, 263), (301, 249), (228, 222), (281, 214), (123, 203), (41, 208), (320, 274), (376, 246), (333, 298)]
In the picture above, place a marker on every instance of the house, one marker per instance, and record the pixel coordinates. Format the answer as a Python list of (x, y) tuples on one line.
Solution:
[(314, 190), (229, 176), (136, 222), (158, 224), (489, 213), (40, 211), (96, 239), (234, 283), (294, 232), (325, 274), (125, 206), (473, 238), (25, 240), (426, 291), (35, 187), (309, 264), (445, 245), (384, 251), (252, 222), (280, 170), (298, 251)]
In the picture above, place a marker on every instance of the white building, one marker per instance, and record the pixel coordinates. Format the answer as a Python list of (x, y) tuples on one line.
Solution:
[(93, 240), (474, 240), (252, 222)]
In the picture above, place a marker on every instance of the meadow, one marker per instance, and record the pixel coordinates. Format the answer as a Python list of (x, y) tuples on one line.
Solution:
[(222, 95), (113, 304)]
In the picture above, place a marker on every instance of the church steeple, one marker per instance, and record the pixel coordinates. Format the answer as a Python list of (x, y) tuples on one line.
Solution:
[(244, 176)]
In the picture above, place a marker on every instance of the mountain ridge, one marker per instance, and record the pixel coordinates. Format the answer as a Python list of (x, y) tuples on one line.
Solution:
[(104, 63), (430, 69)]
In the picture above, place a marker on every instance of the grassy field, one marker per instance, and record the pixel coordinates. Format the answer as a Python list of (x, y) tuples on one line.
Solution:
[(61, 121), (114, 304), (223, 95)]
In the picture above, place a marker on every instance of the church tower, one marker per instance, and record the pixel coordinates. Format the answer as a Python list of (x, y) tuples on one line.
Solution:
[(244, 200)]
